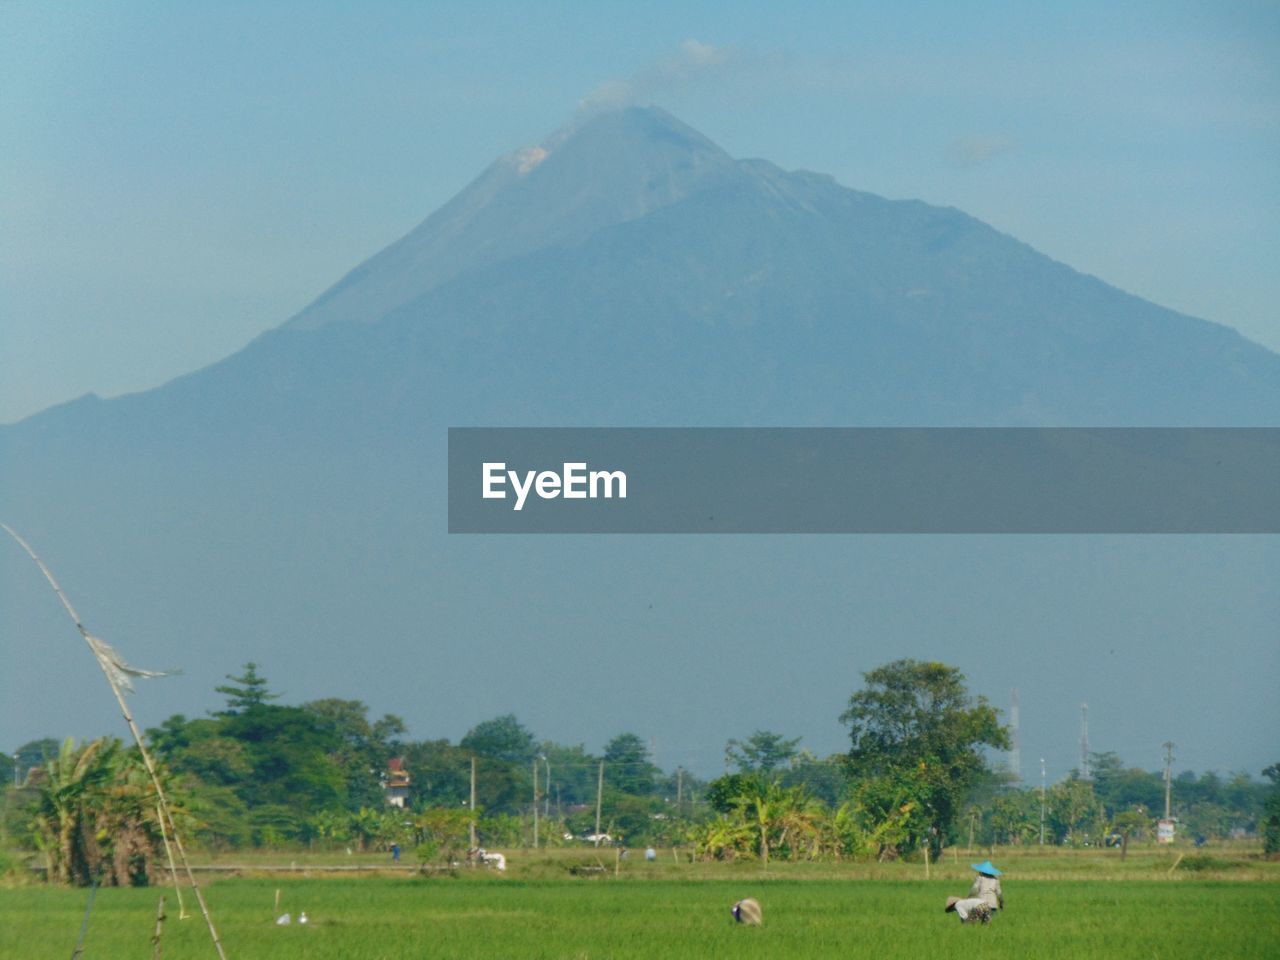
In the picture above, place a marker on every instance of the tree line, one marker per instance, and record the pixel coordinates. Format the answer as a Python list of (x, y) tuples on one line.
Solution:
[(917, 776)]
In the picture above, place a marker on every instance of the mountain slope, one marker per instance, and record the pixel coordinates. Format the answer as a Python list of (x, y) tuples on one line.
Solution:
[(618, 167), (287, 505), (637, 274)]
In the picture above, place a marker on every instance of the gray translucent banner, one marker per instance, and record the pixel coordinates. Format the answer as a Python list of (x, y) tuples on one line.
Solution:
[(864, 480)]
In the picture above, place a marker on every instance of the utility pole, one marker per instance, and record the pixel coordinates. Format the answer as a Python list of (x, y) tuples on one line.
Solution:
[(1015, 753), (1085, 773), (1168, 778), (472, 828), (1042, 784), (535, 803), (547, 810), (599, 793), (679, 791)]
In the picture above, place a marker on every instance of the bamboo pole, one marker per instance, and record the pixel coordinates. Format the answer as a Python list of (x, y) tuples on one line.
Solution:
[(155, 937), (173, 870), (133, 728), (84, 924)]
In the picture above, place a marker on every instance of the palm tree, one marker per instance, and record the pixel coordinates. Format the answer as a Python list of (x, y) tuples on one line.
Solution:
[(847, 832), (722, 838), (366, 826), (753, 808), (70, 786), (95, 816), (330, 826), (799, 818), (770, 808)]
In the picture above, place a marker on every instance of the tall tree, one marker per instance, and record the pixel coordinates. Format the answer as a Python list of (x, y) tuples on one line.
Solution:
[(282, 763), (825, 778), (250, 690), (1271, 812), (628, 767), (762, 752), (1074, 810), (569, 775), (915, 726), (439, 773), (364, 747), (1123, 788), (1014, 817), (502, 738)]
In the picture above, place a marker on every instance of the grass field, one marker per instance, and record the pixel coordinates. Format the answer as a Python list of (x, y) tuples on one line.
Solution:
[(539, 910)]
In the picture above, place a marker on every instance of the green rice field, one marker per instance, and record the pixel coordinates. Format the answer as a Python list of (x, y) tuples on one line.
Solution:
[(1056, 907)]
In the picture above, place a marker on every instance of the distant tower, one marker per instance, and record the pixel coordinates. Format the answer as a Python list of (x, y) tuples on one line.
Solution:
[(1084, 742), (1015, 748), (1168, 777), (1165, 828)]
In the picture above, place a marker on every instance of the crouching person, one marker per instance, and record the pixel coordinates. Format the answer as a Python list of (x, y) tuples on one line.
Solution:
[(748, 912), (970, 909)]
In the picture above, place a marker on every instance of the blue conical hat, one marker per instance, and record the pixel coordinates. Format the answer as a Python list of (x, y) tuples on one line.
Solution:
[(987, 867)]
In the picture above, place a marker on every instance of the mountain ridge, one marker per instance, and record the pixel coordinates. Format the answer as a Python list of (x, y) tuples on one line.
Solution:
[(287, 504), (637, 171)]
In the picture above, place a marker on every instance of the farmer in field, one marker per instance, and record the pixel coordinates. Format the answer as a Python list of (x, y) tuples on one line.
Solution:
[(985, 896), (970, 909), (986, 886), (748, 912)]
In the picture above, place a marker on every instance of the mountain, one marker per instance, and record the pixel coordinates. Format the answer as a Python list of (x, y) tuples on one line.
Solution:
[(620, 167), (286, 504)]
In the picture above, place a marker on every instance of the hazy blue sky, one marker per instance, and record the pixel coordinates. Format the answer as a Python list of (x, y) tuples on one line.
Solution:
[(176, 178)]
